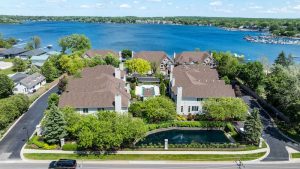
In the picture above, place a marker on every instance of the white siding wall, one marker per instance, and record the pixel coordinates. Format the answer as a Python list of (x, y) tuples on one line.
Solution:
[(190, 102), (95, 110)]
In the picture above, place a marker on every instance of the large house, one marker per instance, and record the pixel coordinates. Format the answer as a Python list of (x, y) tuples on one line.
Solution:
[(99, 88), (27, 84), (159, 58), (192, 84), (194, 57), (101, 53)]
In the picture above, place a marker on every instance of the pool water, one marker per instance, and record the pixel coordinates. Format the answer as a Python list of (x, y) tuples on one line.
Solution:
[(186, 137)]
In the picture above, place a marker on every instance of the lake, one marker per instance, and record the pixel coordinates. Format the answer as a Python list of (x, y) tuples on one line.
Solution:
[(137, 37)]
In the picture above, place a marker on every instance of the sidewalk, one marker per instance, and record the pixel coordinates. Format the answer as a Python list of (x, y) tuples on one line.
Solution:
[(148, 152)]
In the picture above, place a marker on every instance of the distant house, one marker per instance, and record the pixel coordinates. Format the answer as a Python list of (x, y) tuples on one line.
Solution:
[(159, 58), (39, 60), (28, 84), (99, 88), (146, 91), (194, 57), (101, 53), (17, 77), (191, 84), (34, 52), (12, 52)]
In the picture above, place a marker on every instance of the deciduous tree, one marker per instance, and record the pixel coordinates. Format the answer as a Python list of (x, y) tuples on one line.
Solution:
[(6, 86), (138, 65)]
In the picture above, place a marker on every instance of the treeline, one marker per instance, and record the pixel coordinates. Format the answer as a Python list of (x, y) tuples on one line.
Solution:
[(278, 83), (280, 27), (11, 108)]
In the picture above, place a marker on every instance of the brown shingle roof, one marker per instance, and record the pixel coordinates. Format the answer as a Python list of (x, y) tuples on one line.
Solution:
[(96, 89), (200, 81), (152, 56), (191, 57), (102, 53)]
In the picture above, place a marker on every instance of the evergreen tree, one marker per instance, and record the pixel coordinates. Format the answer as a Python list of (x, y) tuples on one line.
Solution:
[(253, 128), (54, 125), (283, 60)]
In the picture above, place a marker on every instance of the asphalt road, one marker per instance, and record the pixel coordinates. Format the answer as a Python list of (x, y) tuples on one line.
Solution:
[(156, 166), (277, 142), (12, 143)]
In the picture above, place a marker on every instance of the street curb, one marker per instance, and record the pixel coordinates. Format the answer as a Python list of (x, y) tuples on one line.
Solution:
[(21, 153)]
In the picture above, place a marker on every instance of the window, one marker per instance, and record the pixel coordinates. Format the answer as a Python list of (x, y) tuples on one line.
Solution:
[(189, 108), (100, 109), (85, 110), (181, 109), (195, 108)]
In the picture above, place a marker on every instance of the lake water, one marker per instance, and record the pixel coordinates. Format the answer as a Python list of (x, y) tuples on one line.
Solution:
[(169, 38), (186, 137)]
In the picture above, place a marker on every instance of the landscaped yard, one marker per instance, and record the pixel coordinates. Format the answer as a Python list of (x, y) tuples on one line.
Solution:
[(7, 71), (296, 155), (183, 157)]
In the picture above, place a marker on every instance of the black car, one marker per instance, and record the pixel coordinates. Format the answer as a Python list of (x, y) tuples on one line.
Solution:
[(63, 164)]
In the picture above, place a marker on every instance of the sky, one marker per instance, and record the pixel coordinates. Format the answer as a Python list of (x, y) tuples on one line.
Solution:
[(215, 8)]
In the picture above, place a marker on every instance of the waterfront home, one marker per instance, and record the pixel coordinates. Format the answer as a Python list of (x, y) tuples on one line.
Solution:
[(12, 52), (190, 85), (146, 91), (101, 53), (194, 57), (39, 60), (159, 59), (34, 52), (27, 84), (99, 88)]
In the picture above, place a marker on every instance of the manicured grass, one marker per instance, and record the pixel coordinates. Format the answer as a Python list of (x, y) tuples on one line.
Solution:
[(146, 157), (296, 155), (7, 71)]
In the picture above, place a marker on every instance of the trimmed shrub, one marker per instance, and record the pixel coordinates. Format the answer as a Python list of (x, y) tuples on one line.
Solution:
[(70, 147)]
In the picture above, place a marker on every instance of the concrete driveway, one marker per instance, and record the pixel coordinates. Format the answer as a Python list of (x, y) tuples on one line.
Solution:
[(12, 143)]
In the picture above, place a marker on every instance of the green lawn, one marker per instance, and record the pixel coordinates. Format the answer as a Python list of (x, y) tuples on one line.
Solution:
[(146, 157), (7, 71), (296, 155)]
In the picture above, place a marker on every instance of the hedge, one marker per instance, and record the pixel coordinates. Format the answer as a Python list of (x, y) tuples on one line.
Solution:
[(192, 145), (70, 147), (200, 124)]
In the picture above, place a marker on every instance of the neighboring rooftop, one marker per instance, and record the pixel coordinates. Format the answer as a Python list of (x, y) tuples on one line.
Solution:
[(102, 53), (34, 52), (148, 79), (191, 57), (17, 77), (12, 51), (32, 80), (96, 88), (152, 56), (200, 81)]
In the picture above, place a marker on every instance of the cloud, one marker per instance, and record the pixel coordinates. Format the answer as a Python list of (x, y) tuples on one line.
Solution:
[(55, 1), (170, 3), (143, 8), (255, 7), (216, 3), (126, 6), (136, 2), (86, 6)]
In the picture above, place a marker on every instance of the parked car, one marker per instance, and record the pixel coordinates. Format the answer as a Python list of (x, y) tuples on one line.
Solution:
[(63, 164)]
